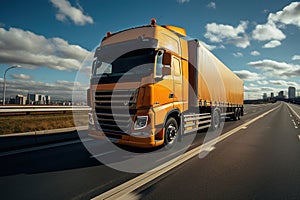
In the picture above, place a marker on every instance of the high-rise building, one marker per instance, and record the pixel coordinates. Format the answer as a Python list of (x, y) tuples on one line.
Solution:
[(20, 99), (265, 96), (32, 98), (42, 99), (47, 99), (272, 94), (38, 99), (292, 92), (280, 95)]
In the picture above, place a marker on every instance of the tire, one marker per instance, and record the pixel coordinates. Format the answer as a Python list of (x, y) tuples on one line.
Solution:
[(239, 113), (171, 133), (236, 115), (215, 119)]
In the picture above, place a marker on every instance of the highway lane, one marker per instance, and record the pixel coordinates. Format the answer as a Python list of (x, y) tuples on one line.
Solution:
[(259, 162), (71, 172)]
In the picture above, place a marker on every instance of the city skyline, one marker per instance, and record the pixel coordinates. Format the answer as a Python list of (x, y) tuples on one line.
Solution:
[(51, 39)]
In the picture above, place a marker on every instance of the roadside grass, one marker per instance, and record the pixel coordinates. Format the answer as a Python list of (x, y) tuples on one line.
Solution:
[(39, 122)]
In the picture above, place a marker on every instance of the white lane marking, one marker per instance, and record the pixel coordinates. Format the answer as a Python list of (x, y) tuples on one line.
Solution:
[(8, 153), (245, 127), (122, 191), (293, 111), (294, 123), (245, 113), (299, 137), (102, 154), (209, 149)]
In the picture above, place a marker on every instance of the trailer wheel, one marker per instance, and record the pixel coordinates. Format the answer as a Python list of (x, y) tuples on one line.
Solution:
[(236, 115), (239, 113), (216, 119), (171, 133)]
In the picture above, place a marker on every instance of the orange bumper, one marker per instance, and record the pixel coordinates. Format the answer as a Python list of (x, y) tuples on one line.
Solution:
[(143, 142)]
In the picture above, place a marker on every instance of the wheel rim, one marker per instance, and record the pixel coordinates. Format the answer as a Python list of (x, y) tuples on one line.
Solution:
[(171, 133)]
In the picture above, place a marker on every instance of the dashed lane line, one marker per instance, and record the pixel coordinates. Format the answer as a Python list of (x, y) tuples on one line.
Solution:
[(295, 113)]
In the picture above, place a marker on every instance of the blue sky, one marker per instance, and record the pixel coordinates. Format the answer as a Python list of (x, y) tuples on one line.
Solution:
[(258, 40)]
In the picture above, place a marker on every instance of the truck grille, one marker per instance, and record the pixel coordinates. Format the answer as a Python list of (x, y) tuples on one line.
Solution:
[(115, 110)]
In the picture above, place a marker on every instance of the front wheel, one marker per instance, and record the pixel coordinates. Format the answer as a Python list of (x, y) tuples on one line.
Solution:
[(171, 133)]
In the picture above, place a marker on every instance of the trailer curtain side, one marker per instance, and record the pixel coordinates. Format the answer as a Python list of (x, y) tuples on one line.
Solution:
[(211, 80)]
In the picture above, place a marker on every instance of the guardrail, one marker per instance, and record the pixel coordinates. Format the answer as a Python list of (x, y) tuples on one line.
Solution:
[(29, 109)]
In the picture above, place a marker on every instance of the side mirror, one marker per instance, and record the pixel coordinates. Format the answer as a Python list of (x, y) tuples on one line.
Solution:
[(166, 59), (166, 71)]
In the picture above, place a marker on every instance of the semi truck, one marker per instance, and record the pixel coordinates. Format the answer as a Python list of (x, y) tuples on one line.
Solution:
[(151, 85)]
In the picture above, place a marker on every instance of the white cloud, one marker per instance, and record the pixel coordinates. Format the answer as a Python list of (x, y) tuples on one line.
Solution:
[(67, 11), (268, 31), (255, 53), (272, 44), (237, 54), (251, 89), (283, 83), (225, 33), (289, 15), (296, 57), (22, 47), (212, 5), (273, 68), (212, 47), (248, 76), (21, 76), (183, 1), (252, 85), (263, 82)]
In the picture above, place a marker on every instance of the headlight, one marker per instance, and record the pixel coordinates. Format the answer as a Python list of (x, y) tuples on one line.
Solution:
[(91, 119), (140, 122)]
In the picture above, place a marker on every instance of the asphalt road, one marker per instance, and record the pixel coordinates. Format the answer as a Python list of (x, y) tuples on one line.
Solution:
[(258, 162)]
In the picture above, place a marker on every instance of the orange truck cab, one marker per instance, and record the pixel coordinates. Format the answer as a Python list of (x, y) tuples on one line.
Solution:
[(150, 85)]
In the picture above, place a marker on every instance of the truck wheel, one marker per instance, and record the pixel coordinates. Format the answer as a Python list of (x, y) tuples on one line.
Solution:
[(171, 133), (216, 119), (236, 114), (239, 113)]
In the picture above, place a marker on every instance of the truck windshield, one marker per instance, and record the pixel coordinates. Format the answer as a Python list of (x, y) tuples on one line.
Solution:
[(135, 62)]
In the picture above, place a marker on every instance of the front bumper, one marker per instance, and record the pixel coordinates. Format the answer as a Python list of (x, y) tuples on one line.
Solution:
[(143, 142)]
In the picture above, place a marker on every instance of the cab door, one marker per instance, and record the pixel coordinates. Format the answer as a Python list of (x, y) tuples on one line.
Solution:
[(164, 82), (177, 79)]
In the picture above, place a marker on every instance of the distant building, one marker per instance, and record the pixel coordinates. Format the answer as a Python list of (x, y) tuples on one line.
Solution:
[(20, 99), (48, 99), (272, 95), (12, 100), (280, 95), (32, 98), (38, 99), (292, 92), (265, 97), (42, 99)]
